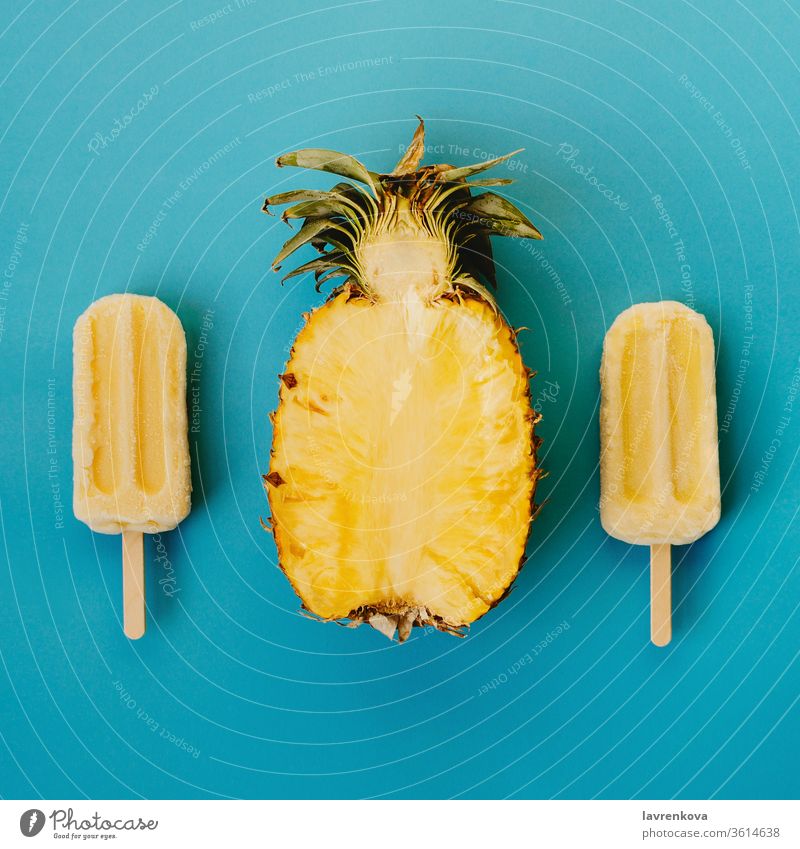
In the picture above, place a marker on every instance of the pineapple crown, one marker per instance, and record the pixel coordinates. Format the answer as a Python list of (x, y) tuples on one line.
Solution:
[(438, 198)]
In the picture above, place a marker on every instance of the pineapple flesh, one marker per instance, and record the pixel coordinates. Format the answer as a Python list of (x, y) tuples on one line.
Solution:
[(403, 467)]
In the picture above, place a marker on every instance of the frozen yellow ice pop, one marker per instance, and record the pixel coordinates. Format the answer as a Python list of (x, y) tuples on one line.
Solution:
[(659, 460), (130, 448)]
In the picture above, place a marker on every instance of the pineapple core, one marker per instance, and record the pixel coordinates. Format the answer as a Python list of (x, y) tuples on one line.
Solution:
[(406, 259), (404, 458)]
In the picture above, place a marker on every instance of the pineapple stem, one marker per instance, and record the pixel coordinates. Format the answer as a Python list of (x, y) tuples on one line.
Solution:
[(403, 231)]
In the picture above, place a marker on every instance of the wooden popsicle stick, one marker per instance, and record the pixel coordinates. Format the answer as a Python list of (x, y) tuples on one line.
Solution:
[(660, 594), (133, 584)]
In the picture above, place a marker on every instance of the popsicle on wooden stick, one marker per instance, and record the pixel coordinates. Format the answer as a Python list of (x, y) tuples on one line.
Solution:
[(130, 448), (659, 463)]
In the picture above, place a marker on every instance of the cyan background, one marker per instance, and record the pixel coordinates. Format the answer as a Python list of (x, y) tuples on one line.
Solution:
[(272, 703)]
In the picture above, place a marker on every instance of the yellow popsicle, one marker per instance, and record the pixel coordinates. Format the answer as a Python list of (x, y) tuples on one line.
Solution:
[(659, 464), (132, 471)]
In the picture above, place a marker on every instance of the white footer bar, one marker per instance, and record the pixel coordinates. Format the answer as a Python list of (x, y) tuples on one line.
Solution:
[(335, 824)]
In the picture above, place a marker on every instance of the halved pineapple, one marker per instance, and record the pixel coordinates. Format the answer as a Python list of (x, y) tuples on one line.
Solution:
[(403, 465)]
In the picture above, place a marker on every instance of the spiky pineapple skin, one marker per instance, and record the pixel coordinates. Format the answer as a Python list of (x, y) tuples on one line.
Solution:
[(432, 532)]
